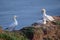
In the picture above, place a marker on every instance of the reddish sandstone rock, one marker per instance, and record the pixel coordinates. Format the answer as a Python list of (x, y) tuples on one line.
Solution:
[(51, 31)]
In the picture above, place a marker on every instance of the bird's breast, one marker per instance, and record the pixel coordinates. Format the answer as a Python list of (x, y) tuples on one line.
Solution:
[(16, 23)]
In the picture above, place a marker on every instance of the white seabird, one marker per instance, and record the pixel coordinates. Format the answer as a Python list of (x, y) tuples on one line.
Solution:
[(45, 18), (14, 24)]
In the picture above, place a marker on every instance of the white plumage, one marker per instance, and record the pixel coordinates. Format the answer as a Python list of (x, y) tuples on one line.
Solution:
[(14, 24), (45, 17), (41, 21)]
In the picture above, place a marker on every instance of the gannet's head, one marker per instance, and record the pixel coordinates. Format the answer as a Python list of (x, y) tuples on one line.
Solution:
[(15, 16), (43, 10)]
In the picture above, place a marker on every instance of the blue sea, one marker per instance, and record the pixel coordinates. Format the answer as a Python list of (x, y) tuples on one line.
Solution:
[(27, 11)]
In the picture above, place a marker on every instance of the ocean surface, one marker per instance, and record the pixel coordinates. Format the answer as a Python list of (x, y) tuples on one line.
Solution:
[(27, 11)]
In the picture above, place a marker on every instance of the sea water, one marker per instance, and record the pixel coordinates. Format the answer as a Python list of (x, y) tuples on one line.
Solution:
[(27, 11)]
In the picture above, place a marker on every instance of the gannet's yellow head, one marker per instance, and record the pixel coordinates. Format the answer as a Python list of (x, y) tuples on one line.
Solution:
[(15, 16), (43, 10)]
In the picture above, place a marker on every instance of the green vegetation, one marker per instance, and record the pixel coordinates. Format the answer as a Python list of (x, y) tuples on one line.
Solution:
[(12, 36), (57, 22), (6, 37), (23, 34), (28, 32)]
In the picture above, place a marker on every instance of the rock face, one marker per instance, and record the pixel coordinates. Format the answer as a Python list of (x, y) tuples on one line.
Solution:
[(38, 34), (50, 31), (1, 30)]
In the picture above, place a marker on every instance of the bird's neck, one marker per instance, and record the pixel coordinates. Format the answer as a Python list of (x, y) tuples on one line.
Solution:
[(15, 19), (44, 19), (44, 13)]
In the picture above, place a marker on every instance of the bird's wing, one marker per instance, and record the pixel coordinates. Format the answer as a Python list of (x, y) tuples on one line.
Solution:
[(50, 18), (12, 25)]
